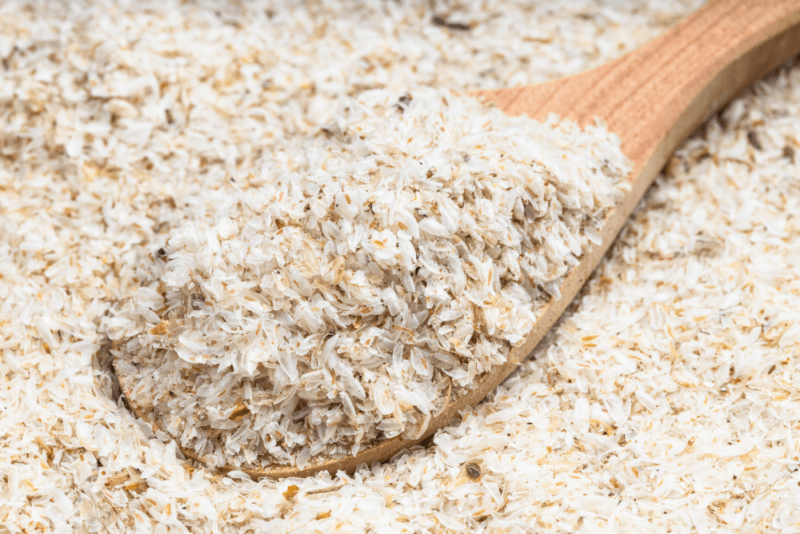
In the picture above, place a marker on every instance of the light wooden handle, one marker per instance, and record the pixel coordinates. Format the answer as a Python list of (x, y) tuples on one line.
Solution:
[(703, 63), (657, 95)]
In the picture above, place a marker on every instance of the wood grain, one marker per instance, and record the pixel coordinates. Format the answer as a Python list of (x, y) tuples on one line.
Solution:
[(653, 98)]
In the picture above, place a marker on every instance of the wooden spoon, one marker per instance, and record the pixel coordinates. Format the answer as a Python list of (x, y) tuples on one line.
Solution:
[(653, 98)]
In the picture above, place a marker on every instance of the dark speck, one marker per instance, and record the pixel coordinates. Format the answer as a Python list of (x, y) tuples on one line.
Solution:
[(197, 300), (161, 253), (403, 102), (458, 26), (753, 138), (473, 470)]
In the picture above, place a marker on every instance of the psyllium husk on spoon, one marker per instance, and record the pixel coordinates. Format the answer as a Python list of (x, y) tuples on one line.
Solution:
[(345, 290)]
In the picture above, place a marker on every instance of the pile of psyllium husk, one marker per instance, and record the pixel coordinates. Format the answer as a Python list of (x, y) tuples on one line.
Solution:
[(352, 285), (295, 235)]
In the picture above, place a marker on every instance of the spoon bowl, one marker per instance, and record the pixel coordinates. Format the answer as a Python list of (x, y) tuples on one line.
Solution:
[(653, 98)]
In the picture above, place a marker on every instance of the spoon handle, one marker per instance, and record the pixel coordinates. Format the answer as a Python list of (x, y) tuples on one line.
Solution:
[(657, 95)]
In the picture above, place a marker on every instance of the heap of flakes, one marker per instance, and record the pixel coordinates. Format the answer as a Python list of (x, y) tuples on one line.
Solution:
[(342, 292)]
